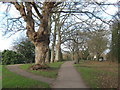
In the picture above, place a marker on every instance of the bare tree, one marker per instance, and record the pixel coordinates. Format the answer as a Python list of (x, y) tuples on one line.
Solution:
[(97, 43), (54, 38), (36, 16), (39, 37)]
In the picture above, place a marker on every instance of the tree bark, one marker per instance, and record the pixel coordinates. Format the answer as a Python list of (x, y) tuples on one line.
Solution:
[(48, 56), (57, 57), (73, 56), (58, 47), (41, 37), (53, 44), (98, 56), (77, 56), (52, 54), (40, 53)]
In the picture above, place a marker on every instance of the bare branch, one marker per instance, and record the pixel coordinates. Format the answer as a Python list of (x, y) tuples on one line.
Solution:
[(85, 12), (37, 11), (21, 9)]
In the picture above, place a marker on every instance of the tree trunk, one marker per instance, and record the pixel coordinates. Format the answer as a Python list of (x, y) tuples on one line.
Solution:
[(72, 56), (58, 46), (61, 55), (98, 56), (58, 53), (40, 53), (57, 58), (53, 44), (77, 54), (77, 58), (48, 56), (41, 38), (52, 54)]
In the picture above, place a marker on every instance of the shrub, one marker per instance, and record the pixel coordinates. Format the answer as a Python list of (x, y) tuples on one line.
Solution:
[(11, 57)]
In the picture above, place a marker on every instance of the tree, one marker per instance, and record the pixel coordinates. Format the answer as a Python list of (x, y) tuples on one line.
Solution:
[(48, 57), (54, 38), (97, 43), (39, 38), (60, 23), (119, 43), (84, 54), (11, 57), (115, 42), (26, 49), (73, 41), (0, 57), (38, 14)]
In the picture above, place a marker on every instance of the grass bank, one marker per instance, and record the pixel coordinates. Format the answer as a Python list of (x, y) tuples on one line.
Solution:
[(0, 76), (51, 73), (99, 74), (12, 80)]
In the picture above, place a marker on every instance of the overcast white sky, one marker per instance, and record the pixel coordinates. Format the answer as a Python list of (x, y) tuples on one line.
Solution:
[(6, 43)]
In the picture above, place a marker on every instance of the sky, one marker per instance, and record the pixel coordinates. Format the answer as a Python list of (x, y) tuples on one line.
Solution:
[(6, 43)]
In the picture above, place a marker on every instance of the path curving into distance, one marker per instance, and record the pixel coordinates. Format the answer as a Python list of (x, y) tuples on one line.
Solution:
[(68, 77), (15, 68)]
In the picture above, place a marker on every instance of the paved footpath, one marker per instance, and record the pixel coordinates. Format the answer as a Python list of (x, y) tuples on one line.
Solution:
[(68, 77), (15, 68)]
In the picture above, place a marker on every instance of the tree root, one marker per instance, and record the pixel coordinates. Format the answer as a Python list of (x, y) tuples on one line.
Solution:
[(39, 67)]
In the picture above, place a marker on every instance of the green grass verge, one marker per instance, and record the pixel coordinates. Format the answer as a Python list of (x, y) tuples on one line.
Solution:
[(88, 75), (0, 76), (52, 73), (12, 80), (95, 78)]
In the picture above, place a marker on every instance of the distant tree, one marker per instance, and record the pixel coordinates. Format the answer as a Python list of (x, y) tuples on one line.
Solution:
[(48, 57), (0, 53), (11, 57), (0, 57), (97, 43), (85, 54), (26, 49), (114, 42), (119, 43)]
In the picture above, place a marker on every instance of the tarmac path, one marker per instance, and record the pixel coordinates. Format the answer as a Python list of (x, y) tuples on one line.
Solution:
[(68, 77)]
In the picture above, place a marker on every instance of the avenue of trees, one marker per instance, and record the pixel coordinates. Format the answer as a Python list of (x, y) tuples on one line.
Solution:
[(55, 29)]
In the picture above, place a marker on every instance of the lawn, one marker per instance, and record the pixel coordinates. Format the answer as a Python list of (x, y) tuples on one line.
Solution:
[(51, 73), (99, 74), (12, 80), (0, 76)]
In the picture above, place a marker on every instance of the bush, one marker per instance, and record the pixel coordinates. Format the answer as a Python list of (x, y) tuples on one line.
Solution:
[(26, 49), (11, 57)]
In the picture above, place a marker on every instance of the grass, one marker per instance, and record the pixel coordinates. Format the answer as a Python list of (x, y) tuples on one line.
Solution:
[(99, 74), (12, 80), (0, 76), (51, 73)]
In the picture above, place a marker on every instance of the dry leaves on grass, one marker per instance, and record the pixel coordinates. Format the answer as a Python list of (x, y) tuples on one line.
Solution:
[(107, 73), (108, 81)]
